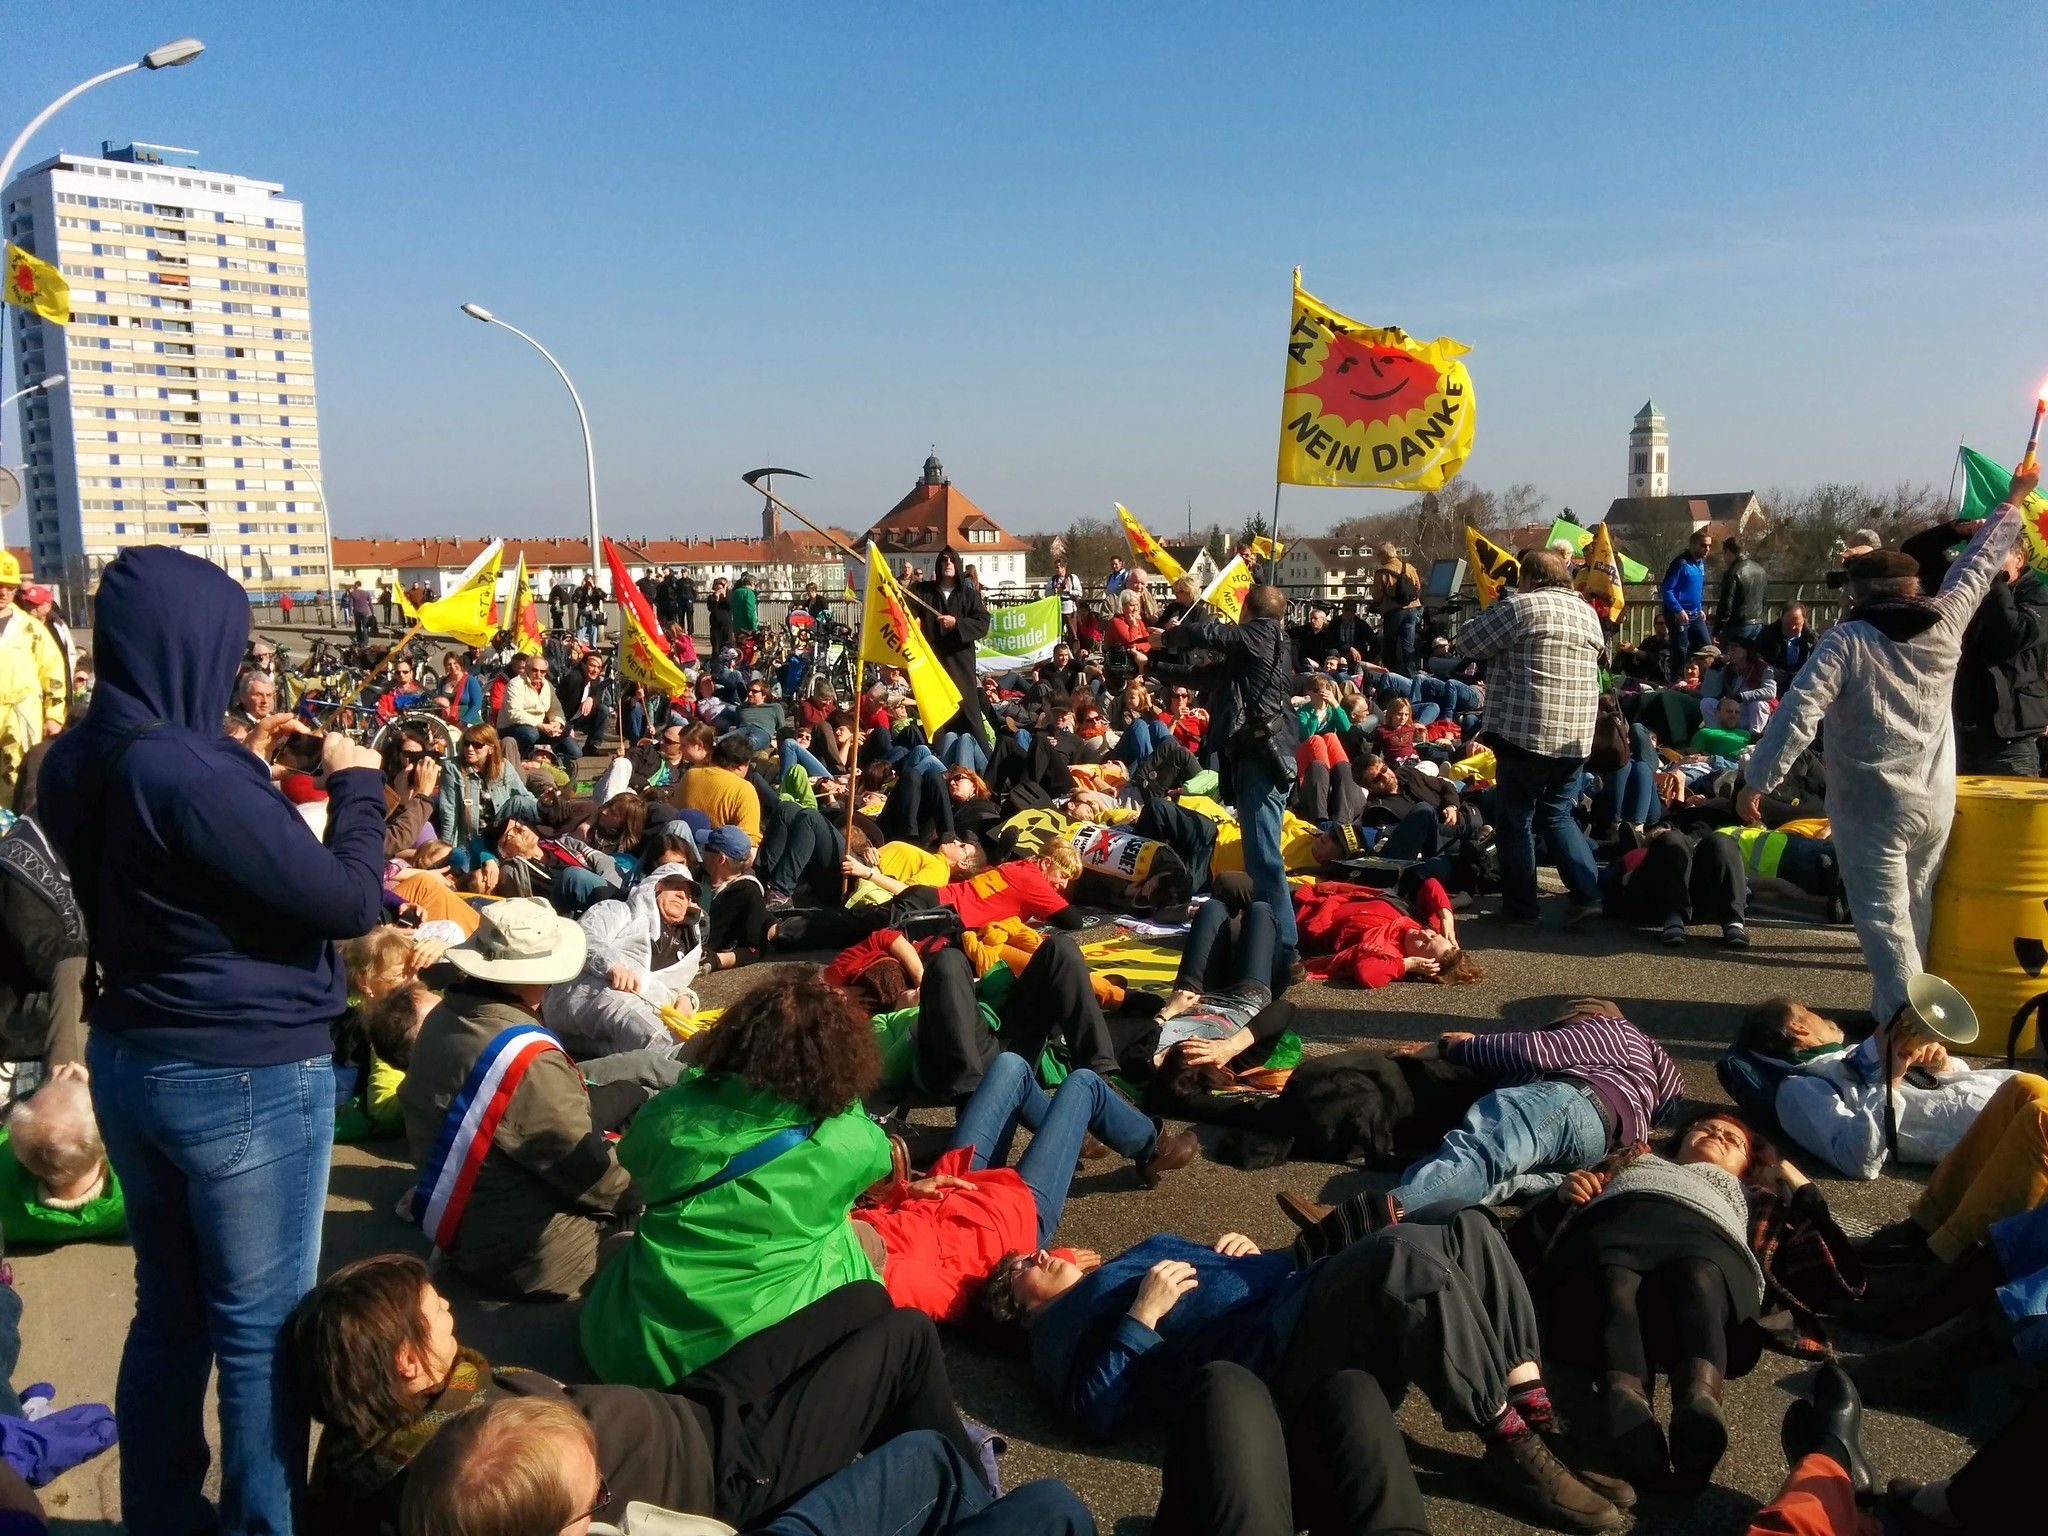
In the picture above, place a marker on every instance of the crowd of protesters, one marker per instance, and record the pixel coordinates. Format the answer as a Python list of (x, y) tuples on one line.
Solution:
[(231, 941)]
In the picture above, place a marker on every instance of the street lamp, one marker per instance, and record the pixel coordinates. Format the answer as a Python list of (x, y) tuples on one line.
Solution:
[(44, 385), (326, 524), (478, 312), (166, 56)]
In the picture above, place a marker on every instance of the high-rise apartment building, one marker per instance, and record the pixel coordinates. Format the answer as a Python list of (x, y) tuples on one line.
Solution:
[(188, 414)]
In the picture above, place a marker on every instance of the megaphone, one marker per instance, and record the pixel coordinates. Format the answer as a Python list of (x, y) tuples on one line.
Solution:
[(1936, 1008)]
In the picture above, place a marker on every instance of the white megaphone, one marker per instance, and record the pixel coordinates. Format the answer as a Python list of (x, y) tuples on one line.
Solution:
[(1936, 1008)]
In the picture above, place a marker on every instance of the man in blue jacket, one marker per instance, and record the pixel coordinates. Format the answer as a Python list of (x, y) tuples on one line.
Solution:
[(1683, 593), (211, 1057)]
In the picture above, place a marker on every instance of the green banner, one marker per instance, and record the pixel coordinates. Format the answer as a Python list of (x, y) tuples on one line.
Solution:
[(1579, 538), (1019, 635)]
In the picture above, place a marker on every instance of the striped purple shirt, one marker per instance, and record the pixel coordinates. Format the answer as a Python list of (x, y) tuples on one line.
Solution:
[(1628, 1069)]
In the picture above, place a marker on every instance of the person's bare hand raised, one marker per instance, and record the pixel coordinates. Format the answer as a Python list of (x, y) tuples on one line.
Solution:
[(340, 752)]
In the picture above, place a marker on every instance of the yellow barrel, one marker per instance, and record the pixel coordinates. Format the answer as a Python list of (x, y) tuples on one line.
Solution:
[(1993, 890)]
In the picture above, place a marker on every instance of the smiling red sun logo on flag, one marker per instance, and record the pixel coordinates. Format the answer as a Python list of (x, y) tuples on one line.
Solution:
[(24, 279), (1365, 383)]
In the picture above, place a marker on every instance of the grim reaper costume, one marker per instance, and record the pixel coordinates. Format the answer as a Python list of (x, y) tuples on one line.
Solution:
[(1880, 681)]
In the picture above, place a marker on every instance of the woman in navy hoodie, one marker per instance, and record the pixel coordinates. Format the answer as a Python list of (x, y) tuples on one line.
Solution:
[(214, 930)]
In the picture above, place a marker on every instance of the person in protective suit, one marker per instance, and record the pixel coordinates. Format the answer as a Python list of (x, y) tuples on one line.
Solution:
[(954, 620), (1881, 682)]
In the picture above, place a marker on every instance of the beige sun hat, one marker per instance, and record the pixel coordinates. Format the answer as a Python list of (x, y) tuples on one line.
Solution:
[(521, 942)]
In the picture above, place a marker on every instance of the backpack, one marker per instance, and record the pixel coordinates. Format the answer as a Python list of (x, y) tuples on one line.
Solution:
[(1752, 1081)]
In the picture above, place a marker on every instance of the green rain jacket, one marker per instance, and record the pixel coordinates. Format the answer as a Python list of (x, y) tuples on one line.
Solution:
[(704, 1273)]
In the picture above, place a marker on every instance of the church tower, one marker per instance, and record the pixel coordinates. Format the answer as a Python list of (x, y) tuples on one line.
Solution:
[(1649, 454)]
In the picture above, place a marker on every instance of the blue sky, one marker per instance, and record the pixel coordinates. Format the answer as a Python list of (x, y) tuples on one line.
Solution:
[(1055, 241)]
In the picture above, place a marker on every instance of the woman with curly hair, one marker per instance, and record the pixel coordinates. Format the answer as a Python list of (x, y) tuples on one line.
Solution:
[(749, 1166)]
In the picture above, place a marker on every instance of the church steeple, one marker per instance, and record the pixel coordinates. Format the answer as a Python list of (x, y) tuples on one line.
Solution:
[(934, 471), (1649, 454)]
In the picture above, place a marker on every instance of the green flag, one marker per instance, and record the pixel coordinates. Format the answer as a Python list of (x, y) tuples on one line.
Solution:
[(1985, 484), (1579, 538)]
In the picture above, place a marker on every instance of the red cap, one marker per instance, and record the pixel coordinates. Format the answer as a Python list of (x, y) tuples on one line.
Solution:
[(32, 595)]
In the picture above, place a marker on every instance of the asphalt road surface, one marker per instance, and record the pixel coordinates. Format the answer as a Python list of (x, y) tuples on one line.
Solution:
[(79, 1299)]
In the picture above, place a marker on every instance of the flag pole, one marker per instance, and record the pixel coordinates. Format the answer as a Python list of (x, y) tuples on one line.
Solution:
[(1273, 559), (852, 764), (755, 476)]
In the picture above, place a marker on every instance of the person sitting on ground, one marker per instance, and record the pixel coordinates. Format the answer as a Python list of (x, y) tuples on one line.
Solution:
[(412, 784), (640, 956), (518, 1195), (478, 793), (381, 962), (1997, 1169), (681, 747), (56, 1185), (1438, 1305), (1650, 1270), (941, 1234), (374, 1352), (722, 790), (1675, 881), (749, 1165), (531, 714), (739, 927), (1834, 1099), (1582, 1086), (1740, 693)]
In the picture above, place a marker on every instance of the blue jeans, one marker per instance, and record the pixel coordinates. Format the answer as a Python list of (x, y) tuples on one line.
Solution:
[(1686, 635), (1535, 795), (1399, 633), (1261, 805), (919, 1484), (1538, 1128), (1009, 1096), (225, 1172), (529, 737), (1139, 741), (1748, 634), (803, 758), (1217, 959), (1631, 793), (959, 749)]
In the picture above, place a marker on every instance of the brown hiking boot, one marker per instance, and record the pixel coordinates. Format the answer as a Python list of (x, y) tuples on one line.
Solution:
[(1301, 1210), (1522, 1469), (1699, 1433), (1175, 1150), (1094, 1150)]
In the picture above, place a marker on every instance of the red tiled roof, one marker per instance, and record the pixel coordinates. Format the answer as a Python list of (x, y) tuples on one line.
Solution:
[(453, 554), (935, 515)]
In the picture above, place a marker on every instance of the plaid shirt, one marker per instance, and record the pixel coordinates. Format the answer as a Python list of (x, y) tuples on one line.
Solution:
[(1543, 687)]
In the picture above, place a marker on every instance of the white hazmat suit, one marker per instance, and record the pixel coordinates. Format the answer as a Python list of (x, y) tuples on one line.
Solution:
[(1891, 758)]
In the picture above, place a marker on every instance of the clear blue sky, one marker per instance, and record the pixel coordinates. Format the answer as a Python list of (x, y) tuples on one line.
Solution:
[(1056, 241)]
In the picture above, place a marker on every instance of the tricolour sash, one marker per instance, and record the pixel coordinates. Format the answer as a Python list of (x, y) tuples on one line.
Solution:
[(473, 1115)]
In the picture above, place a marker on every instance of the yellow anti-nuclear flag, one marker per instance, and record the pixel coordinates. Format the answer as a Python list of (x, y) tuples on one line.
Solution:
[(1363, 406), (890, 637), (1227, 592), (1263, 548), (1599, 580), (1145, 549), (523, 622), (466, 614), (1492, 566), (35, 284)]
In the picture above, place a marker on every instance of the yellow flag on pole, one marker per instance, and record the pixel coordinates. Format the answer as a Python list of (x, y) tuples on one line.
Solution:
[(1599, 580), (1145, 549), (1492, 566), (1264, 549), (644, 656), (1227, 592), (890, 637), (523, 622), (469, 612), (1366, 406), (36, 285)]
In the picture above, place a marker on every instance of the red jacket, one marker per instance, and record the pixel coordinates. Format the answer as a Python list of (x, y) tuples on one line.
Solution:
[(1353, 933), (940, 1251)]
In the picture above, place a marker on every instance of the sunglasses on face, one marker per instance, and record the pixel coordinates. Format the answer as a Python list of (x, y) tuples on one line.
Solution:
[(604, 1498)]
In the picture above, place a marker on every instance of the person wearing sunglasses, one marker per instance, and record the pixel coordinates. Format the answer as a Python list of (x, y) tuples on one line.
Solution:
[(532, 715)]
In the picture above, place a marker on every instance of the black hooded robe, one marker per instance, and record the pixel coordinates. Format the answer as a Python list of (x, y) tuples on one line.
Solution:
[(955, 647)]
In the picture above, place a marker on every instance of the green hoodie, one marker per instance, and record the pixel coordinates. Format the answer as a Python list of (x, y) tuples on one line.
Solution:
[(702, 1274)]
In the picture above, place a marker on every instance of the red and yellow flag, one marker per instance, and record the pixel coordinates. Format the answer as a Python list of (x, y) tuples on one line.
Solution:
[(1227, 592), (644, 656), (891, 637), (34, 284), (1365, 406), (1599, 579), (1146, 550), (1492, 566), (524, 622)]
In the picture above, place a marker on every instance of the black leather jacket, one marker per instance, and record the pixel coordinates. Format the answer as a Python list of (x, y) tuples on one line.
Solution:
[(1259, 685)]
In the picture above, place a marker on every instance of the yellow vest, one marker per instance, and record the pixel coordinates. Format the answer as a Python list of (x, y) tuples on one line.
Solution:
[(32, 679)]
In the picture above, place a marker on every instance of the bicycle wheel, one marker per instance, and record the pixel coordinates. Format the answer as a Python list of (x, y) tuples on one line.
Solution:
[(437, 728)]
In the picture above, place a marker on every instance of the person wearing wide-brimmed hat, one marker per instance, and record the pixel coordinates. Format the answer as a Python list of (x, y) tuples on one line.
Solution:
[(547, 1189)]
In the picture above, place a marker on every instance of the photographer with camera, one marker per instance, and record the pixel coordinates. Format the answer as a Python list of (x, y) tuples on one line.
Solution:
[(1253, 726)]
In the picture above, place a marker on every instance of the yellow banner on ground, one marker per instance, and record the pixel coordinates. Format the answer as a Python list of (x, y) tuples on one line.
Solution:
[(1227, 592), (1145, 549), (35, 284), (1492, 566), (890, 637), (1365, 406), (523, 622), (469, 612), (1599, 579)]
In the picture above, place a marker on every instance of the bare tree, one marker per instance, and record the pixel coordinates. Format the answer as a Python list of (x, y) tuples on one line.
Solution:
[(1808, 528)]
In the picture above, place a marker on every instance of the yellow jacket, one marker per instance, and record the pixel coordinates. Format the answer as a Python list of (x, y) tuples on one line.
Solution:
[(32, 664)]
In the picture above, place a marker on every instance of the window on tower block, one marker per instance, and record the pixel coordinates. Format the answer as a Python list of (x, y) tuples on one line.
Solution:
[(1660, 463), (1642, 463)]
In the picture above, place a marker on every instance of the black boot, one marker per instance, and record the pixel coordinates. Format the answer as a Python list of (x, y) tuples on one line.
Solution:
[(1903, 1242), (1829, 1423), (1699, 1434), (1632, 1439), (1934, 1368)]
